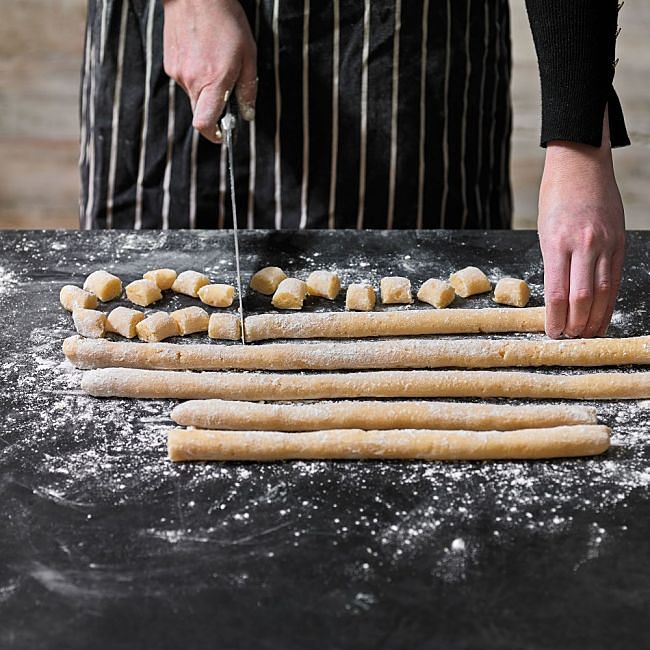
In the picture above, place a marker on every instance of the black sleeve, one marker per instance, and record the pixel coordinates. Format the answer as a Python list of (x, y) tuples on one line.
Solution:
[(576, 43)]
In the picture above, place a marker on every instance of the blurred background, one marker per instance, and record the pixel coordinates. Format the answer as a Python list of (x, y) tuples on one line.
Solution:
[(40, 56)]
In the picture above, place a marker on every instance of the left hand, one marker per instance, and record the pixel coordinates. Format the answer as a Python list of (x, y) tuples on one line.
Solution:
[(581, 227)]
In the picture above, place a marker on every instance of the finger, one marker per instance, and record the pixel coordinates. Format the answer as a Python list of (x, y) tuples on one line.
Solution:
[(602, 296), (246, 88), (581, 294), (209, 107), (556, 292), (616, 273)]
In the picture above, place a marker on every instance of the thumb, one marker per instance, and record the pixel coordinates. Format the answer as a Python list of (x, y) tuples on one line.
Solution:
[(209, 107)]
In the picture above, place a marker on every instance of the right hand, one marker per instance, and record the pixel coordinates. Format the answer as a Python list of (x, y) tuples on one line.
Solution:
[(210, 52)]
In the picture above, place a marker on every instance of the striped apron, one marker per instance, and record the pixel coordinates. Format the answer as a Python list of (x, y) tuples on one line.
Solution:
[(382, 114)]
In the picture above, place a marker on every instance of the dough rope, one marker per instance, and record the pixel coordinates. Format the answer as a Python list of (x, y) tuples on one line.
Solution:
[(333, 325), (357, 355), (407, 444), (221, 414), (167, 384)]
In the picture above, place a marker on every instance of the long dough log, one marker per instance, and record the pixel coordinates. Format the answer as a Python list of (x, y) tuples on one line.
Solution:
[(222, 414), (460, 353), (160, 384), (338, 325), (411, 444)]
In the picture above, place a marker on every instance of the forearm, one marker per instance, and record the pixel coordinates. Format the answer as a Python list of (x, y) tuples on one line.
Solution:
[(576, 42)]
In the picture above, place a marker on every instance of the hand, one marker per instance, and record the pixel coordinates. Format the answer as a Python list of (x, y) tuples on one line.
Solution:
[(209, 51), (581, 228)]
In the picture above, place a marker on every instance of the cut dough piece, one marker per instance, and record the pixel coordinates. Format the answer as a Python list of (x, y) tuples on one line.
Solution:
[(360, 297), (123, 321), (89, 322), (169, 384), (104, 285), (155, 327), (143, 292), (72, 297), (463, 353), (324, 284), (392, 323), (395, 290), (511, 291), (224, 326), (437, 293), (189, 283), (221, 414), (267, 280), (164, 278), (469, 281), (217, 295), (407, 444), (290, 294), (191, 320)]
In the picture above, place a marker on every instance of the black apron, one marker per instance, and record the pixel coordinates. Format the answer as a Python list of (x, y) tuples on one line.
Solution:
[(382, 114)]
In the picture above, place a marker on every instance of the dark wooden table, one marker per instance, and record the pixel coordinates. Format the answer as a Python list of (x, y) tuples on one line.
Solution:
[(106, 544)]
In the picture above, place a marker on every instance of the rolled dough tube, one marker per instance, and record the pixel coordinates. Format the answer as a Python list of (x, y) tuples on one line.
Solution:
[(222, 414), (407, 444), (253, 386), (359, 355), (333, 325)]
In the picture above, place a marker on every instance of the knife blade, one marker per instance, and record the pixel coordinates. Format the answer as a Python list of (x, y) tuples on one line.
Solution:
[(228, 126)]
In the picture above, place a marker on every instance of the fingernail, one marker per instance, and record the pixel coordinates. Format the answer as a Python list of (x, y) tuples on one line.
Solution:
[(247, 112), (226, 97), (218, 134)]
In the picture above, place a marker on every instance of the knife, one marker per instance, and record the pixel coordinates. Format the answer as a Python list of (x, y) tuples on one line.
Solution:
[(228, 126)]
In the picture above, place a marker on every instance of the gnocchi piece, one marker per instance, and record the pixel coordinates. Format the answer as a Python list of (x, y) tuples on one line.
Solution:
[(164, 278), (105, 286), (266, 280), (189, 283), (89, 322), (360, 297), (191, 320), (437, 293), (143, 292), (395, 290), (324, 284), (217, 295), (123, 321), (157, 327), (469, 281), (72, 298), (224, 326), (290, 294), (512, 291)]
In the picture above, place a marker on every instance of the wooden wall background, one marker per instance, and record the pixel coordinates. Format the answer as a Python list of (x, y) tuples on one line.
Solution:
[(40, 57)]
